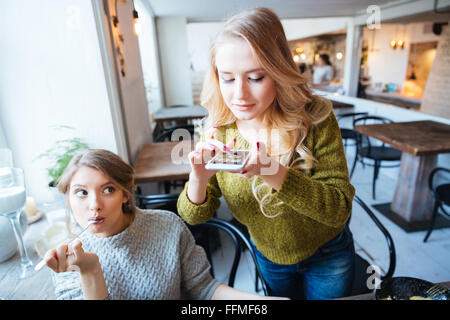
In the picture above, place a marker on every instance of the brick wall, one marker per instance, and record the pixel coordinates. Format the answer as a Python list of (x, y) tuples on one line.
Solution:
[(436, 98)]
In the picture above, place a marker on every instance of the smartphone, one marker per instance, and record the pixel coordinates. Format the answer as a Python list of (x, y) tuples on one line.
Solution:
[(229, 161)]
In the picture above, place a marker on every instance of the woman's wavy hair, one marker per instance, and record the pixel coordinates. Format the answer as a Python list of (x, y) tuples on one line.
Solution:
[(120, 173), (292, 112)]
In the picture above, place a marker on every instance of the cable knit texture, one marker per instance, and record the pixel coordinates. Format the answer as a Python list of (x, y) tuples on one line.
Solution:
[(155, 258), (316, 203)]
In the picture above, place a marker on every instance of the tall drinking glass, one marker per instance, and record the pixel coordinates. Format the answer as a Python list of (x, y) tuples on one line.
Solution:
[(12, 201)]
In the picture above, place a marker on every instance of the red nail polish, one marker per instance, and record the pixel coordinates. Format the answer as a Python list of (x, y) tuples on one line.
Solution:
[(257, 145), (244, 172), (234, 140)]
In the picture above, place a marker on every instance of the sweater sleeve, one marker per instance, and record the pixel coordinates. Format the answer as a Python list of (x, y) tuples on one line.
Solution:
[(196, 280), (67, 286), (199, 213), (326, 194)]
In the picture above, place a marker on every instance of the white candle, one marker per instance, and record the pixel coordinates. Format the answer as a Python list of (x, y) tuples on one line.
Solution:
[(30, 207)]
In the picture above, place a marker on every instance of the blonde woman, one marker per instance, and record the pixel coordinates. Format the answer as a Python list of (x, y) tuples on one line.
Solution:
[(128, 253), (294, 194)]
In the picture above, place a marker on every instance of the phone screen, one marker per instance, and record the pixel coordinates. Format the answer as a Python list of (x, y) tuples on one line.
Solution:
[(235, 157), (234, 160)]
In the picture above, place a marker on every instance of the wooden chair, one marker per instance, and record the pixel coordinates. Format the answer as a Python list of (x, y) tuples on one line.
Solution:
[(378, 153), (439, 184)]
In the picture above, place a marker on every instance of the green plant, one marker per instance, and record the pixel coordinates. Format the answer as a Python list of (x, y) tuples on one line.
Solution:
[(60, 154)]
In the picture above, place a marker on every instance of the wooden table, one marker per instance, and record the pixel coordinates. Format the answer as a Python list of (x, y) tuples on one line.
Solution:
[(420, 142), (37, 287), (163, 161), (180, 113)]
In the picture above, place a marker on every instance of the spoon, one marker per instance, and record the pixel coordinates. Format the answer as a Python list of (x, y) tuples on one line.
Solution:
[(42, 262)]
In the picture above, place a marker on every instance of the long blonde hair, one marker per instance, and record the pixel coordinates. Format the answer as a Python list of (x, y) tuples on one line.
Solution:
[(292, 111)]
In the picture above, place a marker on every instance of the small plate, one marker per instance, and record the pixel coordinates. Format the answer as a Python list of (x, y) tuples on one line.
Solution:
[(35, 217), (406, 288), (51, 238)]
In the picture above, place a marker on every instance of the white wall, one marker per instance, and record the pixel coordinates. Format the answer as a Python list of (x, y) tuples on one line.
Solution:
[(389, 65), (303, 28), (201, 34), (149, 57), (199, 38), (174, 61), (2, 137), (50, 73)]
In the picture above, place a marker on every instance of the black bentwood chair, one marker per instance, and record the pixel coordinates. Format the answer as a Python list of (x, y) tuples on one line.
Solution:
[(361, 265), (239, 240), (378, 153), (439, 184)]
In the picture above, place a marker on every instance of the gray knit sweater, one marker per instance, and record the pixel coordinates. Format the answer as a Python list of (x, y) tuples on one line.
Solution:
[(155, 258)]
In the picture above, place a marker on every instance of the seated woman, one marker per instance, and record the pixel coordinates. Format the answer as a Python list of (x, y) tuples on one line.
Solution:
[(127, 253)]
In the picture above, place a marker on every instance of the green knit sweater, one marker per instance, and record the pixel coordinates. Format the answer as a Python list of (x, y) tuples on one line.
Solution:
[(316, 203)]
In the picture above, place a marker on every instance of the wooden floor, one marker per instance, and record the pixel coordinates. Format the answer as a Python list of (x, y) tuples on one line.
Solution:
[(429, 261)]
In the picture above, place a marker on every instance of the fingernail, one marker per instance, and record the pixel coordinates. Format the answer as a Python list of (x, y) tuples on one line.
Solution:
[(244, 172), (234, 140), (212, 137), (257, 145), (215, 126)]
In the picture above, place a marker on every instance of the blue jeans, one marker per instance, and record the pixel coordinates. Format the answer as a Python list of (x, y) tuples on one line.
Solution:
[(327, 274)]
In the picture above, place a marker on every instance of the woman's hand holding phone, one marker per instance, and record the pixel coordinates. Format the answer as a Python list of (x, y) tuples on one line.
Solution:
[(204, 151), (265, 166)]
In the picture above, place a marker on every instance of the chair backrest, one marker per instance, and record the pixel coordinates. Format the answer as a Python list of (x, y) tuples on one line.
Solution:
[(387, 235), (157, 201), (166, 133), (439, 176), (363, 140), (342, 117), (238, 239)]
